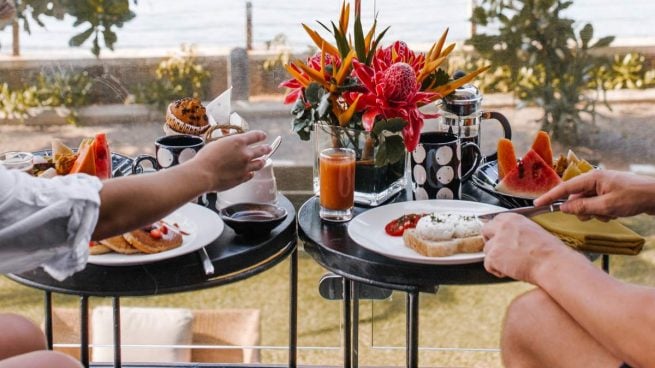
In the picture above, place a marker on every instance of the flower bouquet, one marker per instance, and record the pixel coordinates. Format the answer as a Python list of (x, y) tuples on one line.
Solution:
[(367, 96)]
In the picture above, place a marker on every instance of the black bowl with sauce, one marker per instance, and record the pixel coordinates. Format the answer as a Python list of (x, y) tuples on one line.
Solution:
[(253, 219)]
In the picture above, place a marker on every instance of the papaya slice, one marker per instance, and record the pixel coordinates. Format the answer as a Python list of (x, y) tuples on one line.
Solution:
[(506, 157), (85, 162), (541, 145)]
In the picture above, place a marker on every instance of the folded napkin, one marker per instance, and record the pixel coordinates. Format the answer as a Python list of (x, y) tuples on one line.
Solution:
[(591, 236)]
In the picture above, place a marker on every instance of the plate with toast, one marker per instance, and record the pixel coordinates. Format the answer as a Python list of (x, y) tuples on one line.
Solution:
[(446, 234), (186, 230)]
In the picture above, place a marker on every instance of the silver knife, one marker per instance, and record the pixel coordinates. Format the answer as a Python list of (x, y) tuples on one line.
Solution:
[(525, 211)]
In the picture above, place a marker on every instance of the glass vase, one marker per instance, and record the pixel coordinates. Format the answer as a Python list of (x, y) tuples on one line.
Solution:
[(373, 185)]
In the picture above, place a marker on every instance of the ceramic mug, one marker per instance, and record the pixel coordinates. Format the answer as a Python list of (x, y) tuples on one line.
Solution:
[(169, 151), (437, 166)]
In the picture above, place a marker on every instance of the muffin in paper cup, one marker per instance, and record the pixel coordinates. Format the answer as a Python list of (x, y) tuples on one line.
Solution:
[(174, 124)]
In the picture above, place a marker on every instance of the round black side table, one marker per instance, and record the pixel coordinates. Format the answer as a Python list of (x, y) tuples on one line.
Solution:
[(233, 256), (329, 244)]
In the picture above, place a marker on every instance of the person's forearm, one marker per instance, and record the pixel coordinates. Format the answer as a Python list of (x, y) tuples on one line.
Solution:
[(130, 202), (616, 314)]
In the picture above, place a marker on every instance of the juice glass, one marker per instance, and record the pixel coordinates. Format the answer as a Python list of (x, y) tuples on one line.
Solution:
[(337, 184)]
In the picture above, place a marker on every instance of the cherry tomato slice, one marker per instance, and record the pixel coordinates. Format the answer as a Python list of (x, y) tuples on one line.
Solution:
[(398, 226)]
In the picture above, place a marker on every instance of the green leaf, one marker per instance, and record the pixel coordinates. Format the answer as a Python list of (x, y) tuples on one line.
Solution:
[(359, 39), (586, 33), (324, 105), (342, 42), (313, 93), (95, 49), (374, 46), (390, 150), (479, 16), (392, 125), (603, 42), (79, 39), (110, 38)]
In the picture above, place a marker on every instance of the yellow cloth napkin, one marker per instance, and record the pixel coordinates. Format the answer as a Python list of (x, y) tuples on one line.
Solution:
[(591, 236)]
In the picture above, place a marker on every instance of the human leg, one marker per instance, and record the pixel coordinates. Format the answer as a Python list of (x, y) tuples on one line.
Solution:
[(19, 336), (537, 332), (40, 359)]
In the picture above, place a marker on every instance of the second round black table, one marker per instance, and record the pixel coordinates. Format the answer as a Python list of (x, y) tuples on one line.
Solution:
[(329, 244)]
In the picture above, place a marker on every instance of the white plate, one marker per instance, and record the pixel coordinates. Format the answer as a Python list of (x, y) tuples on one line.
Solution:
[(367, 229), (202, 224)]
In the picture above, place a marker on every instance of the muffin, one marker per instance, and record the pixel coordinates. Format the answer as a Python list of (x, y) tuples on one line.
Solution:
[(187, 116)]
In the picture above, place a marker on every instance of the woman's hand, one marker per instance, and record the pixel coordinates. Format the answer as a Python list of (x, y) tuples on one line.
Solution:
[(604, 194), (231, 160), (516, 247)]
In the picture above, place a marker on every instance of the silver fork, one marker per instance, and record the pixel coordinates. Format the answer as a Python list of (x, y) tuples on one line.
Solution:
[(206, 261)]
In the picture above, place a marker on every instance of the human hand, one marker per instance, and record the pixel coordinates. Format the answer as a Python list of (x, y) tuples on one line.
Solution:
[(232, 160), (515, 246), (604, 194)]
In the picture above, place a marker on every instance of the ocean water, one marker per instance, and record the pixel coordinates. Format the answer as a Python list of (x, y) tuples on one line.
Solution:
[(220, 24)]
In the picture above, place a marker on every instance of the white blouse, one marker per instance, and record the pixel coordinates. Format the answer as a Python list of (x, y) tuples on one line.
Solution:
[(46, 222)]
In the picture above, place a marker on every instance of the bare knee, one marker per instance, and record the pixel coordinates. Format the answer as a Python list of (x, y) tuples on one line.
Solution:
[(519, 327), (39, 359), (19, 336)]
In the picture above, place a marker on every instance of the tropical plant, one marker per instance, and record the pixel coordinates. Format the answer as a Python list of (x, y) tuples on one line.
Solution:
[(358, 83), (178, 76), (59, 88), (101, 17), (550, 63), (626, 72)]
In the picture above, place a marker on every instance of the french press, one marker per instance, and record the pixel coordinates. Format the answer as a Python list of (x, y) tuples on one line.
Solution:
[(461, 115)]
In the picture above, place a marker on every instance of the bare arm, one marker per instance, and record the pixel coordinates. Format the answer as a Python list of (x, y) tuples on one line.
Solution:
[(618, 315), (129, 202)]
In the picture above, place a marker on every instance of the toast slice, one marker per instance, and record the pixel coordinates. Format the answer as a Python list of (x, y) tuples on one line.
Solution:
[(442, 248)]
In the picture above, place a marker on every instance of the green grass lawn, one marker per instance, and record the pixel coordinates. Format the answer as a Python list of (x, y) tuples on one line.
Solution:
[(466, 317)]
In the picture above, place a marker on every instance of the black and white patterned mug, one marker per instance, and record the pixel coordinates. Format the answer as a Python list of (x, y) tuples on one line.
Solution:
[(169, 151), (437, 165)]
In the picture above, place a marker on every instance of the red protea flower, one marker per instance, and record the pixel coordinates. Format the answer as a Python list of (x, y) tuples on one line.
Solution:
[(313, 62), (392, 92)]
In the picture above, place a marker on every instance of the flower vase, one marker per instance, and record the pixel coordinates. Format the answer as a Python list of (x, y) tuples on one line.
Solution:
[(374, 185)]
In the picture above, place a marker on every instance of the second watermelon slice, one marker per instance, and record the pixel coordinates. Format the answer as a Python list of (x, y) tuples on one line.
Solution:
[(531, 178)]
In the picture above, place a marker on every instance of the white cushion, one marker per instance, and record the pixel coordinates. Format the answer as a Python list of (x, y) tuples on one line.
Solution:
[(140, 326)]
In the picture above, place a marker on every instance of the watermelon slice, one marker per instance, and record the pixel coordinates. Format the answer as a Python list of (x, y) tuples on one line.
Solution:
[(506, 157), (102, 156), (531, 178), (85, 162)]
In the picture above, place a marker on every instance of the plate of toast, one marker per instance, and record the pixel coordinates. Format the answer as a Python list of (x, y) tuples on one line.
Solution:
[(446, 233), (186, 230)]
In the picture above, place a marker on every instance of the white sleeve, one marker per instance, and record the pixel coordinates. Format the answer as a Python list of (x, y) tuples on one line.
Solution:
[(47, 222)]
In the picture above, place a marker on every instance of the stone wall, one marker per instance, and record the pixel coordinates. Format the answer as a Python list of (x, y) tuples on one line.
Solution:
[(118, 76)]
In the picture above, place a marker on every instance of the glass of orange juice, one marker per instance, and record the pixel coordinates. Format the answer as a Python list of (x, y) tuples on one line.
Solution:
[(337, 184)]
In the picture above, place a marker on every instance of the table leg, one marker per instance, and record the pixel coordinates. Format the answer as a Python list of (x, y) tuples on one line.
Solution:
[(84, 330), (355, 323), (293, 309), (347, 345), (605, 262), (48, 319), (117, 331), (412, 328)]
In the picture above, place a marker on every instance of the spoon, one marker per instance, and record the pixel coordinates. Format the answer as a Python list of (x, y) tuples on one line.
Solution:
[(274, 146)]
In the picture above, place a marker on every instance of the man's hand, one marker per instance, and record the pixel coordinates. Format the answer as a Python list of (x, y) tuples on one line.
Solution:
[(515, 247), (604, 194)]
